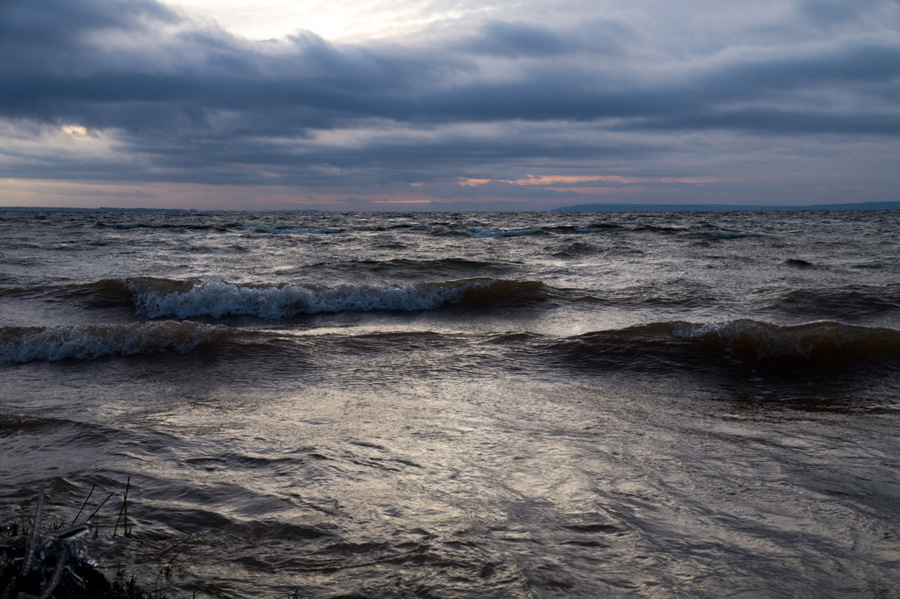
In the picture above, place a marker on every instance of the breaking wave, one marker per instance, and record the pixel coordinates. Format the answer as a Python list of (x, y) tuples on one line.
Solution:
[(217, 299), (88, 342), (171, 298), (667, 346)]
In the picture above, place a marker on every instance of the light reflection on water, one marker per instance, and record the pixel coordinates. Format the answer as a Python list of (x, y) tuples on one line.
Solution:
[(499, 486)]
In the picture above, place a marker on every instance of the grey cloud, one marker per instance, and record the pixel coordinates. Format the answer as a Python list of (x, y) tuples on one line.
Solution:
[(524, 40), (520, 39), (857, 61), (195, 101), (830, 12), (32, 33), (308, 82)]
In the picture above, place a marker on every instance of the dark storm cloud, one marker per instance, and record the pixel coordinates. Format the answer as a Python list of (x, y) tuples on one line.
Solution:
[(193, 101), (527, 40), (831, 12), (520, 39), (51, 36)]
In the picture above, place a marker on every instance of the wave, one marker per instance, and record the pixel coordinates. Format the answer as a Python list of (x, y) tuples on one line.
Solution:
[(169, 226), (282, 230), (701, 230), (487, 233), (821, 342), (171, 298), (798, 263), (724, 234), (848, 302), (577, 250), (591, 229), (555, 230), (410, 268), (641, 227), (217, 299), (813, 351), (106, 292), (668, 346), (602, 225), (88, 342), (225, 228)]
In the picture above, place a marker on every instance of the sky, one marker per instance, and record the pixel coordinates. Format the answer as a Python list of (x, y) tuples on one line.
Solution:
[(447, 104)]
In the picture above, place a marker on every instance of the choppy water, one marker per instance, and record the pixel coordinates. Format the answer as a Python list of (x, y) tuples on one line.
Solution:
[(459, 405)]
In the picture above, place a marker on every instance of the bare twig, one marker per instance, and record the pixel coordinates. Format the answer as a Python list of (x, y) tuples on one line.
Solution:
[(102, 503), (123, 510), (83, 505), (160, 555), (32, 539), (127, 486)]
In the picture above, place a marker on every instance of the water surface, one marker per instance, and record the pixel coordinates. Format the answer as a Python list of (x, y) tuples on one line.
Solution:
[(458, 405)]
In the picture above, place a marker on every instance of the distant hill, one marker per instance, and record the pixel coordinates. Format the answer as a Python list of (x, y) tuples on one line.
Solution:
[(722, 207)]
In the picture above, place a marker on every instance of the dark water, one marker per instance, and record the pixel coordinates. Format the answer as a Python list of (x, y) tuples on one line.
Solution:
[(461, 405)]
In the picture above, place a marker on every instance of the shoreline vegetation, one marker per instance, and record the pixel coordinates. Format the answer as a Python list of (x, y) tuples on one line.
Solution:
[(39, 561)]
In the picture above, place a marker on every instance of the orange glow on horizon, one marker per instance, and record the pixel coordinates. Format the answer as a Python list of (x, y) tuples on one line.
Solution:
[(550, 180), (401, 201)]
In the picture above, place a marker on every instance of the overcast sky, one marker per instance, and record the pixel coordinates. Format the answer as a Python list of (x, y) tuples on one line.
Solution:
[(448, 104)]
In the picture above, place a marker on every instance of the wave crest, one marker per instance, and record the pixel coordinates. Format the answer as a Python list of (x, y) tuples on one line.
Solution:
[(816, 342), (218, 299), (675, 345), (283, 230), (482, 233), (87, 342)]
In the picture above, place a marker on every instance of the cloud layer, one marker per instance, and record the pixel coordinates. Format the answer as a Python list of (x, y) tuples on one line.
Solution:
[(699, 101)]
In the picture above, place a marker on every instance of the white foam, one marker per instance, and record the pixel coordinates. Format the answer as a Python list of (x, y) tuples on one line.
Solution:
[(770, 340), (86, 342), (215, 298)]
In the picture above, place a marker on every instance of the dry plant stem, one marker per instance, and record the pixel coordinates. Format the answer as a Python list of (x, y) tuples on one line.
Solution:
[(108, 497), (124, 510), (83, 505), (32, 539), (57, 574), (125, 506)]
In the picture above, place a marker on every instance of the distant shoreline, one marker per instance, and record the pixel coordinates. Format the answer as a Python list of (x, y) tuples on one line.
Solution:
[(724, 207)]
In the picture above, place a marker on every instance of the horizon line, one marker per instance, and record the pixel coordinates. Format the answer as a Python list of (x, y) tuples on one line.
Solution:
[(889, 205)]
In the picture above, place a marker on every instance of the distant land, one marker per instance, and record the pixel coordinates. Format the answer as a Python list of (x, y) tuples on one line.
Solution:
[(723, 207)]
